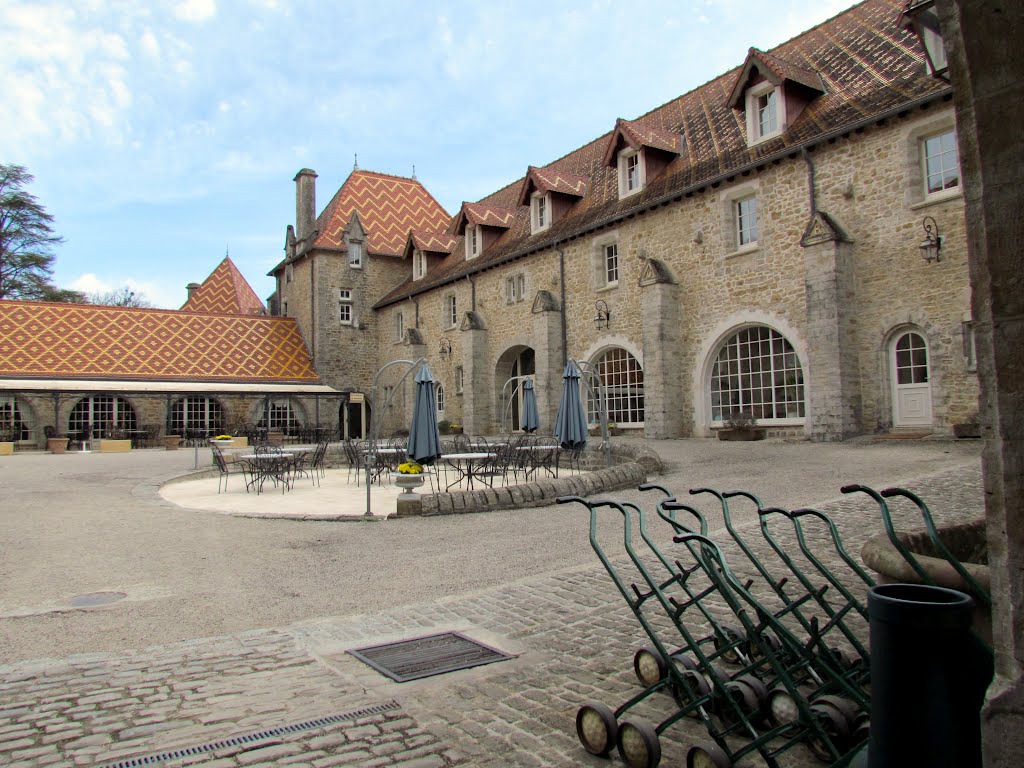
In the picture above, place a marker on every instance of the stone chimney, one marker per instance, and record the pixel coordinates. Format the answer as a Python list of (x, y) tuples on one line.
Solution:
[(305, 203), (191, 288)]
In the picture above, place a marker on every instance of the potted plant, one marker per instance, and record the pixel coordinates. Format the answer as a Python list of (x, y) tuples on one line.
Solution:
[(456, 429), (115, 440), (409, 476), (444, 427), (7, 435), (171, 442), (55, 443), (740, 425)]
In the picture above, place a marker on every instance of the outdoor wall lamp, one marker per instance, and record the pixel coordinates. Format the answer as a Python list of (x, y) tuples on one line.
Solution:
[(446, 349), (931, 246), (922, 19), (603, 318)]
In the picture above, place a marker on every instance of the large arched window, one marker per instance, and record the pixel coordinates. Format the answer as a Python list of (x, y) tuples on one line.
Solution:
[(198, 413), (98, 413), (623, 381), (284, 417), (757, 372), (439, 392), (12, 418)]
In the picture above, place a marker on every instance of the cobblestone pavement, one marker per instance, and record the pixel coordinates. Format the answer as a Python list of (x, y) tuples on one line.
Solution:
[(291, 695)]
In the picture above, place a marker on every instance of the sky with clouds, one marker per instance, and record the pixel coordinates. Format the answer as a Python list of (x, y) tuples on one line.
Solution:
[(161, 134)]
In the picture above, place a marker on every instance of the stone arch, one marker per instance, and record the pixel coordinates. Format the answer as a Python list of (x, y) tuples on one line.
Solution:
[(20, 413), (517, 359), (712, 344), (888, 328)]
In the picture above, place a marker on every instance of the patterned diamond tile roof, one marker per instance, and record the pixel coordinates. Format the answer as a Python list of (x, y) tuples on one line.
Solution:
[(225, 291), (551, 179), (388, 207), (80, 341), (868, 65)]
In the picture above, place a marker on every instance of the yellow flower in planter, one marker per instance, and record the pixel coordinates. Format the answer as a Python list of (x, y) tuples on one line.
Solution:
[(223, 437), (410, 468)]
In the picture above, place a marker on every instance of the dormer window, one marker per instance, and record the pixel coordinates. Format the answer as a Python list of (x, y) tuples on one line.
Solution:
[(419, 265), (474, 240), (631, 172), (355, 254), (540, 210), (765, 112)]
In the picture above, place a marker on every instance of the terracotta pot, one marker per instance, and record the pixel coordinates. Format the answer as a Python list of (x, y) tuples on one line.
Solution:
[(56, 444), (171, 442)]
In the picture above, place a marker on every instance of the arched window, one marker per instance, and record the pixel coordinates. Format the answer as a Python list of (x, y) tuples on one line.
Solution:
[(758, 372), (12, 418), (97, 413), (283, 417), (198, 413), (440, 399), (623, 381)]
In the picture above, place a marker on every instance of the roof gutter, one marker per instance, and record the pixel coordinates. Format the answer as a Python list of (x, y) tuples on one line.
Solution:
[(667, 197)]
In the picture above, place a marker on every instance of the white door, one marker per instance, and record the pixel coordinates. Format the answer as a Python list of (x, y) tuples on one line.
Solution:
[(912, 392)]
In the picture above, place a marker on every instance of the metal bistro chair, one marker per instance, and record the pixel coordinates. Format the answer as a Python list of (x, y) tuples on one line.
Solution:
[(316, 466), (225, 469)]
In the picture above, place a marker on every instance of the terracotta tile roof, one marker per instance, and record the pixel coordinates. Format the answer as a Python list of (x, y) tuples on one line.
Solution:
[(388, 207), (638, 134), (81, 341), (482, 213), (870, 67), (225, 291), (551, 179), (776, 70), (430, 242)]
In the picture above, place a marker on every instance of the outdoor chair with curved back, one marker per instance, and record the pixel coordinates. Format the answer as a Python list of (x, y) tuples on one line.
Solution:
[(226, 469)]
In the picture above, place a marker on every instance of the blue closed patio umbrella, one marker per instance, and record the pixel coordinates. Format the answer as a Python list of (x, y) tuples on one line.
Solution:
[(424, 439), (531, 421), (571, 420)]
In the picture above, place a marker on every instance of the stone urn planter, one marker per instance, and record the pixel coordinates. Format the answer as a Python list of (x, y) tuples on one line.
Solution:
[(408, 482), (57, 444), (171, 442), (966, 542)]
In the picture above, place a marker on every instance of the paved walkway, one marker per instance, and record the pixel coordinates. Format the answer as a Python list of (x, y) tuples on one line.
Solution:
[(234, 628)]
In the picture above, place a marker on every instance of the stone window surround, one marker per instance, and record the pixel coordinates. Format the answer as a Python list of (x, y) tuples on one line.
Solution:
[(754, 135), (598, 245), (916, 195), (419, 264), (730, 232), (289, 273), (535, 200), (515, 288), (355, 254), (439, 395), (460, 379), (615, 341), (399, 327), (707, 354), (345, 300), (624, 156)]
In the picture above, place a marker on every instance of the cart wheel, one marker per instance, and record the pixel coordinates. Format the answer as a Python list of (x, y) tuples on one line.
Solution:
[(638, 743), (699, 685), (686, 662), (596, 727), (842, 657), (861, 729), (847, 709), (745, 700), (707, 754), (650, 666), (834, 725), (763, 645), (760, 691), (782, 707), (731, 643)]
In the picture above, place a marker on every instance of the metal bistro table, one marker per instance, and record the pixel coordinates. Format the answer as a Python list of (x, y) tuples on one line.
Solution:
[(467, 465), (533, 455), (276, 466)]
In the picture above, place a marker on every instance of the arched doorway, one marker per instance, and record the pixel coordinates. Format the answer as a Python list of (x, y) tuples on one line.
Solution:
[(516, 361), (623, 380), (911, 380)]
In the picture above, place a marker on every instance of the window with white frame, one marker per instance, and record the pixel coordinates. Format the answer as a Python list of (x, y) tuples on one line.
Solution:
[(631, 171), (610, 261), (460, 377), (765, 112), (451, 311), (746, 221), (540, 210), (355, 254), (940, 162), (474, 241), (283, 417), (515, 288), (623, 382), (399, 326), (345, 306), (419, 264), (439, 392), (758, 372)]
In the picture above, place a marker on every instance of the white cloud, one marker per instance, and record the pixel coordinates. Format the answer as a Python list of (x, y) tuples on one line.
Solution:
[(159, 294), (149, 44), (196, 10)]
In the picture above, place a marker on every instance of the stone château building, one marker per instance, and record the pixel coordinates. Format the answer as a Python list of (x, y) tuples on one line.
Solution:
[(786, 240)]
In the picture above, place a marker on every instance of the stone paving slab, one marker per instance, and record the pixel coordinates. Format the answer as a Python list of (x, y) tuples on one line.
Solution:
[(574, 636)]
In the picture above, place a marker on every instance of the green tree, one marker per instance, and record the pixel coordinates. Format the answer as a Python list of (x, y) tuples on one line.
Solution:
[(26, 240)]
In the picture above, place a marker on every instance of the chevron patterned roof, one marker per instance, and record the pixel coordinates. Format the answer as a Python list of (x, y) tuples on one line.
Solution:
[(778, 70), (551, 180), (482, 213), (639, 134), (225, 291), (77, 341), (434, 242), (388, 207)]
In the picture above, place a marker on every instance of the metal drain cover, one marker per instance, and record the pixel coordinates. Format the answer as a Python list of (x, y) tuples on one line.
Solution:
[(93, 599), (428, 656)]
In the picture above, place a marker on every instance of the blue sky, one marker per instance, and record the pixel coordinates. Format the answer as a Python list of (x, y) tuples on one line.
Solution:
[(162, 133)]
